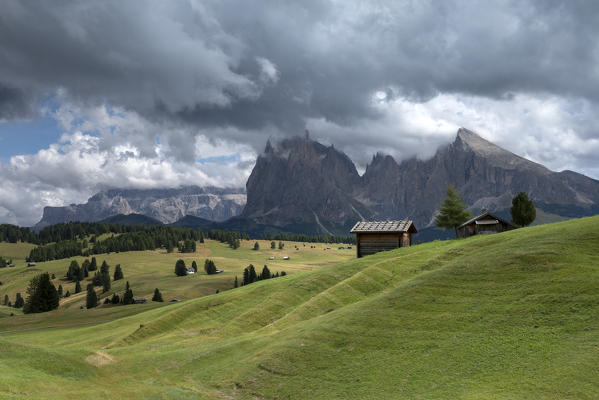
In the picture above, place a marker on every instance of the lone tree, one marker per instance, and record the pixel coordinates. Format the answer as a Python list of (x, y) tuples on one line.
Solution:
[(42, 295), (272, 245), (118, 272), (194, 265), (523, 211), (453, 212), (91, 300), (19, 302), (180, 268), (157, 295), (256, 246)]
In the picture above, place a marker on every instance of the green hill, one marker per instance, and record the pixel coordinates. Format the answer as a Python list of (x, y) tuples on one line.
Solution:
[(506, 316)]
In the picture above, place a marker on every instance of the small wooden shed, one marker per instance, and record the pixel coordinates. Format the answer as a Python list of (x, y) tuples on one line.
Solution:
[(484, 223), (372, 237)]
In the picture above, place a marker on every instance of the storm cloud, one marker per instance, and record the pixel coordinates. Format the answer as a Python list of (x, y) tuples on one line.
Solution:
[(392, 76)]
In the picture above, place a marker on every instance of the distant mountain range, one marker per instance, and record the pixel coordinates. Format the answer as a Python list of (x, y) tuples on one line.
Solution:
[(299, 185), (164, 205)]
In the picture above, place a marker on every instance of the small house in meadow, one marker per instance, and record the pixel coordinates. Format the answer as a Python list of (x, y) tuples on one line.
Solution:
[(139, 300), (484, 223), (372, 237)]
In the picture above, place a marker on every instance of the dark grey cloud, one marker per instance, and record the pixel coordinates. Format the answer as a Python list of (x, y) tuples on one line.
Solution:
[(196, 61)]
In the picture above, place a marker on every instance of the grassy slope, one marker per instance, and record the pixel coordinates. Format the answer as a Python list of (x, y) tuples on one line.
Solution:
[(146, 270), (513, 315)]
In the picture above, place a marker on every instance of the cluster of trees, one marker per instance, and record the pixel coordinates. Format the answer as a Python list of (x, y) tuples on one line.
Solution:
[(91, 299), (210, 267), (132, 238), (292, 237), (101, 278), (13, 234), (19, 301), (453, 212), (187, 246), (42, 295), (250, 275), (56, 251), (233, 239)]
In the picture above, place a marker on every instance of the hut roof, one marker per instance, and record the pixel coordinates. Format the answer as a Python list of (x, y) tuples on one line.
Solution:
[(477, 219), (384, 226)]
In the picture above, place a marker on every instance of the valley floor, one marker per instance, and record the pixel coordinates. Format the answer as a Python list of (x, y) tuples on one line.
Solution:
[(506, 316)]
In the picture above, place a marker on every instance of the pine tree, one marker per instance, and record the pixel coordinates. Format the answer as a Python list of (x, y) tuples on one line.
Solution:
[(67, 294), (157, 296), (77, 287), (128, 297), (209, 267), (19, 302), (180, 268), (452, 213), (236, 283), (118, 272), (53, 276), (523, 210), (273, 245), (265, 273), (256, 246), (5, 299), (194, 265), (281, 245), (105, 282), (115, 299), (93, 265), (41, 295), (85, 271), (246, 276), (127, 287), (59, 290), (91, 300)]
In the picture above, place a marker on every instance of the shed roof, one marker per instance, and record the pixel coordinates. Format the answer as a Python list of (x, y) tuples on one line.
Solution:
[(384, 226), (483, 215)]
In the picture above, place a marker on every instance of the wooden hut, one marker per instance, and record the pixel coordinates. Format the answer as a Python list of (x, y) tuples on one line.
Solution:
[(372, 237), (484, 223)]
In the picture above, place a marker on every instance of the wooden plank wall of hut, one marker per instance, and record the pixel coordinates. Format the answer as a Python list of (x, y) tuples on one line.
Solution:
[(370, 243)]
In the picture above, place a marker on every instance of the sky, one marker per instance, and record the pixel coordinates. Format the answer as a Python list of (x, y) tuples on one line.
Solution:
[(105, 94)]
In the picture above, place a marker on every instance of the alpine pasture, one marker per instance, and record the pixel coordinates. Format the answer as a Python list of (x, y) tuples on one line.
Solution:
[(513, 315)]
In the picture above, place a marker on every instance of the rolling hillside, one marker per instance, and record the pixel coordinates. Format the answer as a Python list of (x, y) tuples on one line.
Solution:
[(506, 316)]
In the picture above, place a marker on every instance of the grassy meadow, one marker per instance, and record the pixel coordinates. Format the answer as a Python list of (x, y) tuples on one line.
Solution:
[(506, 316), (147, 270)]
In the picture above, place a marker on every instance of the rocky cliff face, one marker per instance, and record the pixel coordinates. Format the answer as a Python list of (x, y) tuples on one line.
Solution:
[(302, 183), (165, 205)]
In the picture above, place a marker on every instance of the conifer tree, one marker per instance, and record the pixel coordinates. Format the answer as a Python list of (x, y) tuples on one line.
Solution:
[(281, 245), (453, 212), (59, 290), (85, 271), (77, 287), (273, 245), (115, 299), (93, 265), (118, 272), (5, 299), (67, 294), (19, 302), (523, 210), (236, 283), (128, 297), (180, 268), (209, 267), (53, 276), (194, 265), (256, 246), (91, 300), (41, 295), (265, 273), (127, 287), (157, 295)]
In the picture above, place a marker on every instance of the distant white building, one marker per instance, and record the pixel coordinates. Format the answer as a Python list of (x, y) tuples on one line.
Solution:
[(190, 271)]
